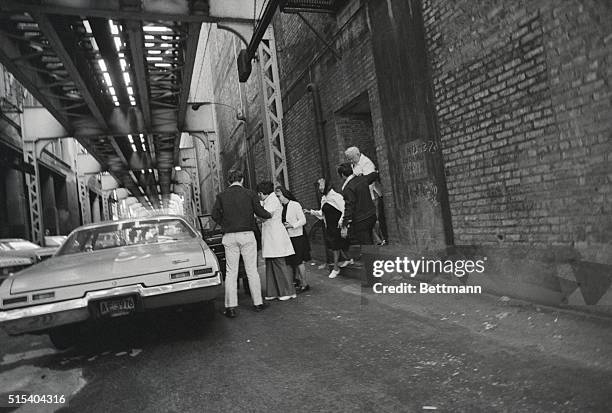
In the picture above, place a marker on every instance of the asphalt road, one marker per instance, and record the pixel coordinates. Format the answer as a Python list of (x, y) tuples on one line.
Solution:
[(336, 348)]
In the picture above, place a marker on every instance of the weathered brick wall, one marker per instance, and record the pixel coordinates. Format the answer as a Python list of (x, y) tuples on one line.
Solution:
[(303, 59), (523, 99), (244, 98), (303, 156), (357, 130)]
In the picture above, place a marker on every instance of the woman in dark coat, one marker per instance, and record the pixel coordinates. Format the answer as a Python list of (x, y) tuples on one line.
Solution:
[(332, 209)]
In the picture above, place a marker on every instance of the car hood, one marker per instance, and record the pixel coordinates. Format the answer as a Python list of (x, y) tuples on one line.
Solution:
[(112, 263)]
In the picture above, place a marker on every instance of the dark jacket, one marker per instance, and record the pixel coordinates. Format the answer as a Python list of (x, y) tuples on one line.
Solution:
[(234, 209), (358, 204)]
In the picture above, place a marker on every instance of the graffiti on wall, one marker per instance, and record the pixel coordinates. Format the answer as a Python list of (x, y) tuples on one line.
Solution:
[(415, 173)]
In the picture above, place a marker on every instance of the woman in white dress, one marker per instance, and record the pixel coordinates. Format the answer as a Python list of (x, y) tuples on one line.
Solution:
[(276, 245), (295, 220)]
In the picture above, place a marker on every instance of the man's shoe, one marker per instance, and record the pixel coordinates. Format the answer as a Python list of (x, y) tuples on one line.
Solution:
[(260, 307), (230, 313), (270, 298), (303, 289), (345, 263), (334, 273)]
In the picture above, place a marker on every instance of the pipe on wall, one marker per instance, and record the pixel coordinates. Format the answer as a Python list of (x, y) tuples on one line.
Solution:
[(320, 125)]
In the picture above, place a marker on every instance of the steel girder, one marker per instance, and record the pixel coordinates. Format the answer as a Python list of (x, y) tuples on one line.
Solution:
[(272, 101), (54, 52)]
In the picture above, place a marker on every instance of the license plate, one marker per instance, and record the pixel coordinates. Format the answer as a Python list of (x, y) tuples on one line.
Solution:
[(117, 307)]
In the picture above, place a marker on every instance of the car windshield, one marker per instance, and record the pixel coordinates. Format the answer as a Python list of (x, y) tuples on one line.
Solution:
[(149, 231), (20, 244)]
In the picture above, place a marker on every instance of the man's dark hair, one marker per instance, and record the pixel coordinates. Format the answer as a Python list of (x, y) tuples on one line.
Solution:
[(286, 193), (235, 175), (345, 169), (265, 187)]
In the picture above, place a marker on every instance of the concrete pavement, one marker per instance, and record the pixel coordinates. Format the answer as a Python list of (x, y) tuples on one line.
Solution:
[(339, 348)]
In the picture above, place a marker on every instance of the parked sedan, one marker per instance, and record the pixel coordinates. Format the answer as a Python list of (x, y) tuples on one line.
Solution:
[(111, 269), (17, 254), (18, 247)]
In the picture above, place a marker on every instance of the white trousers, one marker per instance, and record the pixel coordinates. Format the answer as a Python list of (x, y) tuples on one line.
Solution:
[(236, 244)]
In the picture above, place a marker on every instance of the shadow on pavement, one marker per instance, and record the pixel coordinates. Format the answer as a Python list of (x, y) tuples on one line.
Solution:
[(143, 330)]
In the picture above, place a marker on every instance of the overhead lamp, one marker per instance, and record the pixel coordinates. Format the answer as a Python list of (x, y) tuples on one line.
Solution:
[(107, 79), (177, 168), (134, 148), (154, 51), (115, 99), (143, 148), (123, 64), (154, 58), (114, 29), (130, 90), (117, 43), (102, 65), (162, 65), (94, 44), (126, 78), (131, 139), (156, 29), (87, 26), (112, 91), (149, 44)]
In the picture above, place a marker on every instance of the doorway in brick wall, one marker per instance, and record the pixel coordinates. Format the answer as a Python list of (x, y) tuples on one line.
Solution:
[(354, 128)]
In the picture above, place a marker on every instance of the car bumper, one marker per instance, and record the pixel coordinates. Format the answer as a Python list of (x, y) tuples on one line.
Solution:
[(46, 316)]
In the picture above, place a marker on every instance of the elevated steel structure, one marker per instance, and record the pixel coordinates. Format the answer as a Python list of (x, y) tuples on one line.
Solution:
[(115, 75)]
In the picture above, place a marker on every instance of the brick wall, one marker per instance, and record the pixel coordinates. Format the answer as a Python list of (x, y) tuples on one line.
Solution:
[(244, 98), (523, 99), (340, 79)]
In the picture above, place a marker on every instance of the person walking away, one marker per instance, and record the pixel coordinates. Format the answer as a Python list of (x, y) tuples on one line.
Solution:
[(359, 209), (362, 165), (276, 245), (234, 210), (332, 209), (294, 220)]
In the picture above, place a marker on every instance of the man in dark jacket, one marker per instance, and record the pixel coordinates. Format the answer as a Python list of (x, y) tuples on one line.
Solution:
[(233, 210), (359, 209)]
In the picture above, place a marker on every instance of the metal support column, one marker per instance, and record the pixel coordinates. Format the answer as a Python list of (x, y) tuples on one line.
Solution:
[(30, 157), (213, 157), (271, 94), (105, 209), (84, 199), (195, 185)]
